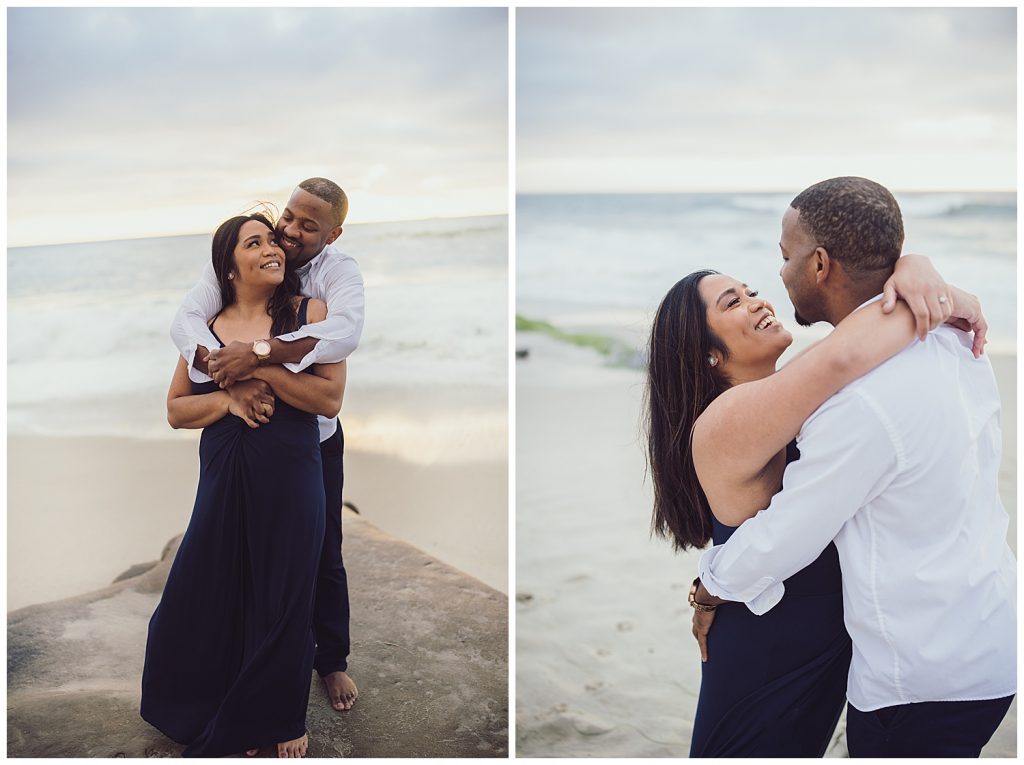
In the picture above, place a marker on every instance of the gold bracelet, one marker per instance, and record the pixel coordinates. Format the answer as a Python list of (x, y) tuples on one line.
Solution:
[(704, 607)]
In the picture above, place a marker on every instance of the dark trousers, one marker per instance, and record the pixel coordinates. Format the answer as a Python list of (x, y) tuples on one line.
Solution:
[(330, 606), (925, 729)]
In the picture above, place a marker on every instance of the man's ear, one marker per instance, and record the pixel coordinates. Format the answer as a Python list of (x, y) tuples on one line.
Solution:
[(335, 233), (822, 265)]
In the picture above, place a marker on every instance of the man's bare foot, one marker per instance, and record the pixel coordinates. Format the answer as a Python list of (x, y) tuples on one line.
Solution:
[(341, 690), (294, 748)]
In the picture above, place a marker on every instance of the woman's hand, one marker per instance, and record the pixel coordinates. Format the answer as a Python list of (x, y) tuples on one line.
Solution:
[(701, 627), (967, 316), (920, 286), (255, 399), (248, 400), (703, 617)]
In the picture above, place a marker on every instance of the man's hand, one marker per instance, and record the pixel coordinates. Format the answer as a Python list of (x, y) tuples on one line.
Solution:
[(701, 627), (253, 401), (920, 287), (232, 363), (967, 316)]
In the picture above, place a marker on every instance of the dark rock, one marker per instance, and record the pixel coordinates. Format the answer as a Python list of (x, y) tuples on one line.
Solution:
[(430, 657), (137, 570)]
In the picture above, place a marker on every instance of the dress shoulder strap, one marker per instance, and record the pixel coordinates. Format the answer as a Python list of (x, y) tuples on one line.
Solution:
[(210, 325), (302, 311)]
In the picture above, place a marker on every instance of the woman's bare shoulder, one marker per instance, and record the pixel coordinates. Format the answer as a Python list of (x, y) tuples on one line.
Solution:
[(713, 423), (720, 450), (703, 438), (316, 311)]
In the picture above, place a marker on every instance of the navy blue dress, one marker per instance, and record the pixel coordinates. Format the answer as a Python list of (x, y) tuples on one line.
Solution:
[(230, 650), (775, 685)]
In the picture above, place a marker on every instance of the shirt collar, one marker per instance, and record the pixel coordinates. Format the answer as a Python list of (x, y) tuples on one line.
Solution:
[(303, 270), (875, 299)]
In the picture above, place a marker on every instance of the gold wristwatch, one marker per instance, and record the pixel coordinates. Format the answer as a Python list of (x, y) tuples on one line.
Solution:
[(693, 598), (262, 350)]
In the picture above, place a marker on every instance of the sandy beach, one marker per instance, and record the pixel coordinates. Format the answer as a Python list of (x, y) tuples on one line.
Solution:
[(81, 510), (606, 664)]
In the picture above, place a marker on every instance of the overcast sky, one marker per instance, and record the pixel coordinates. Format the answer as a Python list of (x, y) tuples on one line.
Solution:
[(142, 122), (691, 99)]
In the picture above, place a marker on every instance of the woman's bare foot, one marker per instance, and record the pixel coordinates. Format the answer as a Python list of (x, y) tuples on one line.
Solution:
[(341, 690), (294, 748)]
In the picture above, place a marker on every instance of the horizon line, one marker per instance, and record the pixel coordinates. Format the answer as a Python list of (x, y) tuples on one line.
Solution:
[(751, 191), (210, 233)]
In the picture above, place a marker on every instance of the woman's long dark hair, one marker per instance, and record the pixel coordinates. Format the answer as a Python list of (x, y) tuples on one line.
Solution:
[(279, 308), (680, 385)]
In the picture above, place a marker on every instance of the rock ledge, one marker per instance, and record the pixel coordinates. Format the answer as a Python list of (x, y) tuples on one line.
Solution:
[(430, 656)]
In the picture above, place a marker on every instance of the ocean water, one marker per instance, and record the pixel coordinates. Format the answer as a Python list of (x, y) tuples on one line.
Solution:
[(602, 263), (88, 339), (425, 413)]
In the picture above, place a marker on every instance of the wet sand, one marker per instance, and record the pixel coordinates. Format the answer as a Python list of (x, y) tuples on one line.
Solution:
[(83, 509)]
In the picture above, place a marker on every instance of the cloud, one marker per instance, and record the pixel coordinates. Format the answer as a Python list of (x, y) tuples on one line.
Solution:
[(596, 86), (115, 110)]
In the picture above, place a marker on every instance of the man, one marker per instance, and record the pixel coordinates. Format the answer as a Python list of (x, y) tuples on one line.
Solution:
[(311, 222), (900, 468)]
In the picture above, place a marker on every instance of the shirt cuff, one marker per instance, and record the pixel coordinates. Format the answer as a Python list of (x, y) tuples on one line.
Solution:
[(194, 374), (767, 600), (760, 596), (309, 358), (306, 361)]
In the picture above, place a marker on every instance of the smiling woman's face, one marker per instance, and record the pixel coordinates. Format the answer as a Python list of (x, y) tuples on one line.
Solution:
[(258, 259), (743, 321)]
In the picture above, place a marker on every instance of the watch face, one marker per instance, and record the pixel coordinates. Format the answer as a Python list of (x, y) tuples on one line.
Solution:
[(261, 348)]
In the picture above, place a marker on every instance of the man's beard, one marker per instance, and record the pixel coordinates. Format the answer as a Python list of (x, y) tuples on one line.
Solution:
[(800, 319)]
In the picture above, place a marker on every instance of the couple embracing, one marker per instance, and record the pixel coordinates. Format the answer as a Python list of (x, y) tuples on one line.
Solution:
[(257, 596), (860, 550)]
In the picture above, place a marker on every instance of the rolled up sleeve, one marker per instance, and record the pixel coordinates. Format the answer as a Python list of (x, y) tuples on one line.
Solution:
[(339, 333), (849, 453), (189, 327)]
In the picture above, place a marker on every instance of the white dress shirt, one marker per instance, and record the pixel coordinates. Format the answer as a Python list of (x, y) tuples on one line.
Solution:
[(901, 469), (332, 276)]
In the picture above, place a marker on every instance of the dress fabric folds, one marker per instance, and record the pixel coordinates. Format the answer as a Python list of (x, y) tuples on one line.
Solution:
[(230, 648), (775, 685)]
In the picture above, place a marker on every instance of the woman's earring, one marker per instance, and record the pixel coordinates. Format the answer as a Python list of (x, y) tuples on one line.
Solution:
[(231, 275), (712, 360)]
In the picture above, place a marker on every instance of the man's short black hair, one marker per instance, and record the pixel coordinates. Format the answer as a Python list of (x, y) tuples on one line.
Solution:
[(330, 192), (857, 221)]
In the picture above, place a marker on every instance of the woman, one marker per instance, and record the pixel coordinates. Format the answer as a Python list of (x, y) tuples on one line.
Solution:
[(230, 649), (721, 429)]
